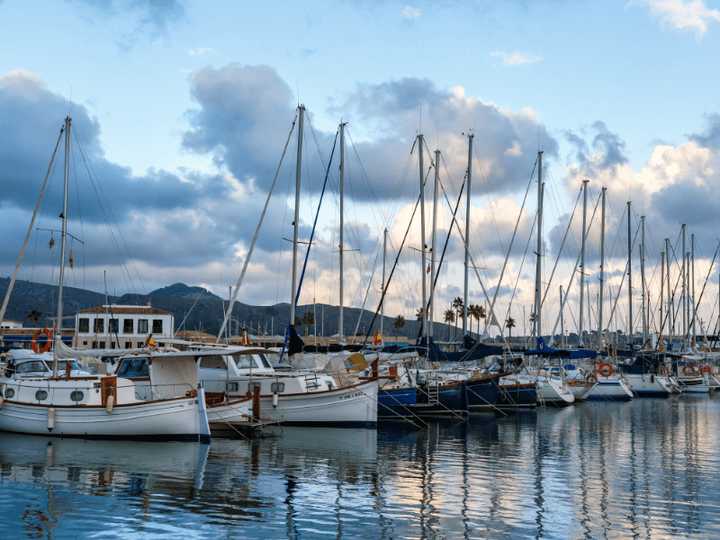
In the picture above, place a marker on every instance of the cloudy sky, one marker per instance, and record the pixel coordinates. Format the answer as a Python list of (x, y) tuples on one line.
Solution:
[(181, 110)]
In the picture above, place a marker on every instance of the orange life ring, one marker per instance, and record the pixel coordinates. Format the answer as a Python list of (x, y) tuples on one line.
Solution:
[(48, 343), (689, 369), (606, 370), (591, 378), (664, 371), (706, 369), (595, 366)]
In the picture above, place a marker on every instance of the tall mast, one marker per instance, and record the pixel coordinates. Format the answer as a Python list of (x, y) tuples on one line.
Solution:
[(537, 328), (341, 329), (296, 223), (692, 287), (642, 280), (602, 270), (467, 234), (582, 261), (671, 311), (63, 242), (684, 290), (422, 237), (629, 246), (382, 291), (562, 318), (433, 250)]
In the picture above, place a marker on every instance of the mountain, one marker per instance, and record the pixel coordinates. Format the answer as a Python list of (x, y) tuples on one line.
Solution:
[(180, 290), (206, 313)]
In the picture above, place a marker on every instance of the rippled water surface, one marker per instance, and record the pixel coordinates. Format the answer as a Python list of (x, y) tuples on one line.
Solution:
[(643, 469)]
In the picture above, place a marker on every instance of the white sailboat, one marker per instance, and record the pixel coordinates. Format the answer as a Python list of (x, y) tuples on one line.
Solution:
[(103, 406)]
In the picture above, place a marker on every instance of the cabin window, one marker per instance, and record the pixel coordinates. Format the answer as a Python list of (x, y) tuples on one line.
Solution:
[(9, 393), (99, 326), (243, 361), (128, 326), (253, 385), (113, 324), (84, 325), (31, 367), (277, 387), (142, 326), (212, 362), (135, 367), (41, 395), (233, 387), (77, 395), (157, 326), (264, 361)]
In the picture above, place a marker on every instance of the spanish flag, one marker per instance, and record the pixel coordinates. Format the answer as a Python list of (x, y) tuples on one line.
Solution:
[(378, 339), (71, 260), (152, 343)]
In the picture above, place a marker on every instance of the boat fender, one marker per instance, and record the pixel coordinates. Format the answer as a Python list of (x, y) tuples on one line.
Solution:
[(652, 378), (275, 399), (51, 418), (2, 400), (109, 403)]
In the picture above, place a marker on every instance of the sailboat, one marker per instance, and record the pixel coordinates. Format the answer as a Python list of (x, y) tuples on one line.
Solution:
[(110, 406)]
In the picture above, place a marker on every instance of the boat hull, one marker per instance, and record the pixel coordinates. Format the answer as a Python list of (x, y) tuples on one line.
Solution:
[(483, 393), (396, 403), (517, 396)]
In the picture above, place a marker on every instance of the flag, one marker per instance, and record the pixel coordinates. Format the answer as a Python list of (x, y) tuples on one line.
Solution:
[(378, 339), (71, 260), (428, 269), (52, 243), (152, 342)]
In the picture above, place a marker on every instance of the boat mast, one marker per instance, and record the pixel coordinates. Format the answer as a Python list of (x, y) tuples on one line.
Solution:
[(422, 237), (562, 317), (582, 262), (63, 242), (433, 249), (692, 286), (629, 247), (467, 233), (671, 311), (683, 290), (341, 329), (382, 290), (642, 280), (296, 223), (537, 328), (602, 270)]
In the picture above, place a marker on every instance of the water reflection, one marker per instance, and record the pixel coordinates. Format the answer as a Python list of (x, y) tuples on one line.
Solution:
[(641, 469)]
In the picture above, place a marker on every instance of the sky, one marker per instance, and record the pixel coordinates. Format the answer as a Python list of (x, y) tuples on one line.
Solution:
[(181, 111)]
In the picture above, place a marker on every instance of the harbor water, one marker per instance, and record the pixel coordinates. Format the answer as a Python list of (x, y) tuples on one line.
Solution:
[(648, 468)]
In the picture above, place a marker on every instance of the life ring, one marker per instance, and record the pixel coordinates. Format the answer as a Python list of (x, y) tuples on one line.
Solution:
[(689, 369), (595, 366), (706, 369), (591, 378), (606, 370), (48, 343), (664, 371)]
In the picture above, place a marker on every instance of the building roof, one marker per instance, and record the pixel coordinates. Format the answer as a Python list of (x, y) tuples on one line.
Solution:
[(126, 310)]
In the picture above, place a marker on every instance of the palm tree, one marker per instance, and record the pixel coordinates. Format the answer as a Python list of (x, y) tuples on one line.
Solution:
[(510, 324), (458, 304), (308, 318), (449, 317), (419, 314), (474, 313), (35, 316), (398, 325), (480, 315)]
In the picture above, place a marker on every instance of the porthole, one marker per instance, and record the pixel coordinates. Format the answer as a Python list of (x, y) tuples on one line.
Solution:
[(253, 385), (277, 387), (41, 395), (77, 395), (10, 393)]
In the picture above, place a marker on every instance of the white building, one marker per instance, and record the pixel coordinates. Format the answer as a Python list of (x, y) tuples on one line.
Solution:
[(124, 327), (7, 323)]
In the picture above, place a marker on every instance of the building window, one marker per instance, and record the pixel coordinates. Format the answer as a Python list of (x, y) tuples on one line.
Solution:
[(142, 326), (127, 326), (84, 326), (128, 344), (114, 325), (99, 326), (157, 326), (85, 343)]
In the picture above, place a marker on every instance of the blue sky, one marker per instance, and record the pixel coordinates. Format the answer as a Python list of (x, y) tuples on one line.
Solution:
[(184, 107)]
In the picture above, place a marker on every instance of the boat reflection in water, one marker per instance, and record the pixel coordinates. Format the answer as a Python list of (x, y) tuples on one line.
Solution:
[(643, 468)]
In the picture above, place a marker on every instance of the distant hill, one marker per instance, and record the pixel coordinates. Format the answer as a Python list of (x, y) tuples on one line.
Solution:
[(180, 290), (191, 313)]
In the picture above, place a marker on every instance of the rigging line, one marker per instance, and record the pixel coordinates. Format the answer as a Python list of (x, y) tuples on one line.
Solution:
[(587, 234), (490, 198), (254, 240), (27, 236), (512, 242)]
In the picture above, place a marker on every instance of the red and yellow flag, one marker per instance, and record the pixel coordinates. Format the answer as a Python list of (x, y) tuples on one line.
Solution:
[(378, 339)]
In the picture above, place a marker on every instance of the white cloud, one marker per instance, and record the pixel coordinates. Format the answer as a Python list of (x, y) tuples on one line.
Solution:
[(410, 13), (514, 150), (200, 51), (693, 15), (516, 58)]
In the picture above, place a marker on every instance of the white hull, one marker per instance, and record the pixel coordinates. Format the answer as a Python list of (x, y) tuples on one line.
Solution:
[(610, 388), (648, 384), (233, 411), (177, 419), (348, 406)]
